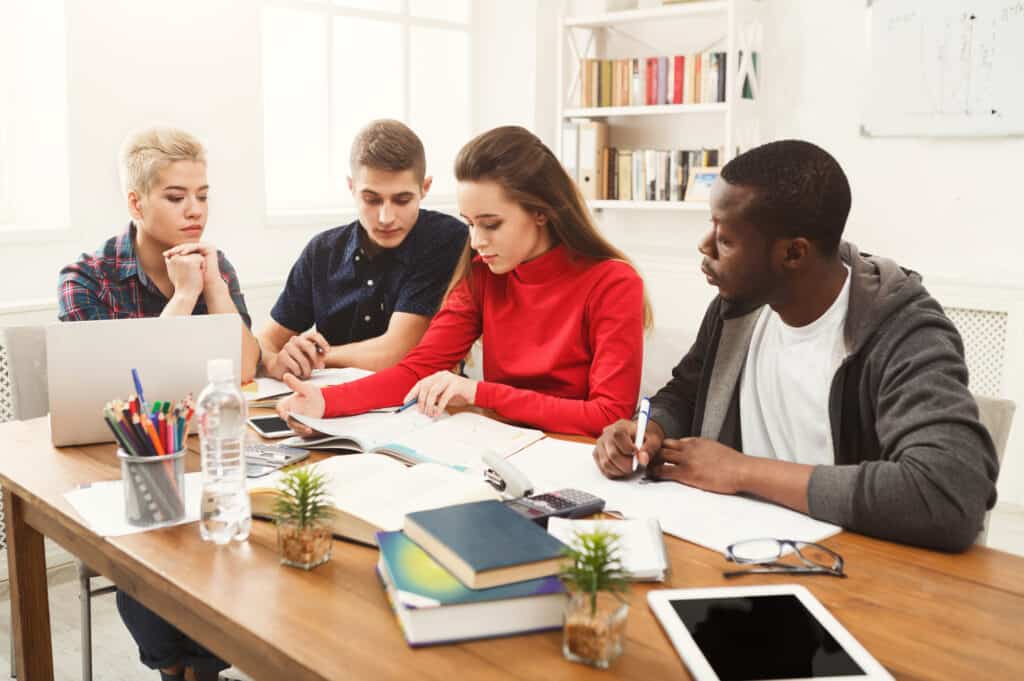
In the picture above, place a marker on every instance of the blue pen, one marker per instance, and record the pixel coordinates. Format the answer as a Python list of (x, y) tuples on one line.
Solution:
[(138, 388), (641, 427), (405, 406)]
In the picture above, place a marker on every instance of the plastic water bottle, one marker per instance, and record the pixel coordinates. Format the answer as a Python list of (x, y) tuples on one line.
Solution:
[(221, 412)]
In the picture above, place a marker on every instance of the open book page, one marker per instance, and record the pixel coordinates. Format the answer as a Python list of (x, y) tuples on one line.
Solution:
[(460, 439), (364, 431), (262, 388), (385, 499), (381, 490), (456, 440), (705, 518)]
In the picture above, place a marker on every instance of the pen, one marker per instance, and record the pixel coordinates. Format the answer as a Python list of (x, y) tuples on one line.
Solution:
[(406, 406), (641, 428), (138, 387)]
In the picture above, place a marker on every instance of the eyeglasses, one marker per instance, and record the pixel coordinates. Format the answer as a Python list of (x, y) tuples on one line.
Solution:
[(764, 554)]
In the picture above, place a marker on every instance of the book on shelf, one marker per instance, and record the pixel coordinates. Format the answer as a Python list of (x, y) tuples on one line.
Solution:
[(592, 139), (647, 174), (413, 437), (433, 607), (264, 391), (641, 543), (371, 493), (485, 543), (697, 78)]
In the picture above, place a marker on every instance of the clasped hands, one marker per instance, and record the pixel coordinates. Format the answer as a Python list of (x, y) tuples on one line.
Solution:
[(193, 268), (693, 461)]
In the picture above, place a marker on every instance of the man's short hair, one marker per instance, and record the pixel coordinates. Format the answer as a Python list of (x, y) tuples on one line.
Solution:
[(800, 191), (387, 144), (146, 152)]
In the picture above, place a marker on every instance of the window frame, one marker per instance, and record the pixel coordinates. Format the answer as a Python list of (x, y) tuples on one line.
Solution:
[(318, 213)]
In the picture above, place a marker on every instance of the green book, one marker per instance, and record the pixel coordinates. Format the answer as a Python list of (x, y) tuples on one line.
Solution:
[(485, 543), (432, 606)]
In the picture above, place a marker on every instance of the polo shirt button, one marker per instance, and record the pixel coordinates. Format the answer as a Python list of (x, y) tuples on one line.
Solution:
[(366, 318), (357, 258), (369, 282)]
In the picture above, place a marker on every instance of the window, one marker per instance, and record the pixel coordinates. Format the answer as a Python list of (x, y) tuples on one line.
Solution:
[(330, 67), (33, 117)]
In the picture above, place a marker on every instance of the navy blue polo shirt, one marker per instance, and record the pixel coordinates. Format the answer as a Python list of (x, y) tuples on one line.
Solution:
[(350, 297)]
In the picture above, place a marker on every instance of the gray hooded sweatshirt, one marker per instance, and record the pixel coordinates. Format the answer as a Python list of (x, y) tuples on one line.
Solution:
[(913, 463)]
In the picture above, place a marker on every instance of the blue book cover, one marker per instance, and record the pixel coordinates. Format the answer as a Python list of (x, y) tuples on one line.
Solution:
[(425, 583), (485, 535)]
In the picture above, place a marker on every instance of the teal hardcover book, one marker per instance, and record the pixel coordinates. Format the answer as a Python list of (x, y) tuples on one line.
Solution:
[(485, 543), (432, 606)]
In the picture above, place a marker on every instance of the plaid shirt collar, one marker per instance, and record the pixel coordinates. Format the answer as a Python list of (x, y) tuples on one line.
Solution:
[(127, 262)]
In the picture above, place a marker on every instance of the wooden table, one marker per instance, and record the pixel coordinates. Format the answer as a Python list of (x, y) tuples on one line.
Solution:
[(924, 615)]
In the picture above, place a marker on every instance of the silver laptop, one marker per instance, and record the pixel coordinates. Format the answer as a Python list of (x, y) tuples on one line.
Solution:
[(90, 364)]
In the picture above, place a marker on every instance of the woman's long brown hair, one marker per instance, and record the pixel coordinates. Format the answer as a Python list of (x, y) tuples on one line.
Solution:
[(529, 174)]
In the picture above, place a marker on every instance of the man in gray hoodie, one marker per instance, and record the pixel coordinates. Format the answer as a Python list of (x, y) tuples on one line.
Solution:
[(823, 379)]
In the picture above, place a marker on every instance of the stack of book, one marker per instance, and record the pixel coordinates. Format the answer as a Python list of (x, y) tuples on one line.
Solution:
[(474, 570), (651, 174), (603, 171), (647, 81)]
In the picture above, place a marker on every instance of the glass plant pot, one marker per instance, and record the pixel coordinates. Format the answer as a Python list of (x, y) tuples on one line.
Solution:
[(592, 635), (303, 547)]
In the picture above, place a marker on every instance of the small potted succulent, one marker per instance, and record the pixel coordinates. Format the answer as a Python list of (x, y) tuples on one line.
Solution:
[(302, 510), (595, 615)]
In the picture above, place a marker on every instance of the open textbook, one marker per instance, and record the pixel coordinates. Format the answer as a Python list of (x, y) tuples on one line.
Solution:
[(412, 437), (705, 518), (263, 391), (372, 493)]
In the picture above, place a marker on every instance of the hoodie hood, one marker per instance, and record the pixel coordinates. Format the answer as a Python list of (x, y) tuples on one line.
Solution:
[(879, 289)]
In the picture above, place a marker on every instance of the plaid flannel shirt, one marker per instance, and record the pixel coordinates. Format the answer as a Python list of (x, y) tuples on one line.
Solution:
[(109, 284)]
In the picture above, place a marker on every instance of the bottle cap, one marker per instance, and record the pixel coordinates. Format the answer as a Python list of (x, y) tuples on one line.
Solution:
[(220, 370)]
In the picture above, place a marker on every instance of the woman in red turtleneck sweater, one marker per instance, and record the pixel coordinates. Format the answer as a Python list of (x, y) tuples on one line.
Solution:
[(561, 310)]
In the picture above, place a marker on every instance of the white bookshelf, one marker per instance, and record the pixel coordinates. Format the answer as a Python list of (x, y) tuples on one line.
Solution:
[(652, 14), (732, 26), (655, 110), (687, 206)]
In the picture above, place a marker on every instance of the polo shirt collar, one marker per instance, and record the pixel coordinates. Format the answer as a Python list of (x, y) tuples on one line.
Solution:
[(403, 254)]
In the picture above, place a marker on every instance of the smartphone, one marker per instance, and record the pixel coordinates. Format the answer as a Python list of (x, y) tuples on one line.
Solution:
[(262, 458), (564, 503), (270, 426)]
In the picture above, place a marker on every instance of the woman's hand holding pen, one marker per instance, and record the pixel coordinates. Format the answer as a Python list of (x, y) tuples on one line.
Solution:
[(440, 390), (306, 400), (616, 448)]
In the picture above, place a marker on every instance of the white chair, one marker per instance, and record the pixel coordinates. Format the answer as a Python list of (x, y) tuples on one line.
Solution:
[(25, 383), (663, 348), (996, 414)]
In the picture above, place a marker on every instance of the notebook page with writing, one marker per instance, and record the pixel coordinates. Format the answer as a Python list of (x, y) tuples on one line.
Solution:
[(705, 518)]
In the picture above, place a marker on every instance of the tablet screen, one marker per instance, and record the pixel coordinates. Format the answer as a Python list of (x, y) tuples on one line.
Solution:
[(763, 637)]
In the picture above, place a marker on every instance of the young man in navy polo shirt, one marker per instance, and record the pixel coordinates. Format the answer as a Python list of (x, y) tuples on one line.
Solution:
[(369, 287)]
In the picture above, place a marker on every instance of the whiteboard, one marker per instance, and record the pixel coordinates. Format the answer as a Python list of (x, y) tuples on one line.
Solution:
[(945, 67)]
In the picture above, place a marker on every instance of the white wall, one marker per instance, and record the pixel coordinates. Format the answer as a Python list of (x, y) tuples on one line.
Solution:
[(196, 64), (947, 208)]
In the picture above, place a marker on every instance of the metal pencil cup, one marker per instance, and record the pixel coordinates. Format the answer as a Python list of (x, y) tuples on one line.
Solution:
[(154, 488)]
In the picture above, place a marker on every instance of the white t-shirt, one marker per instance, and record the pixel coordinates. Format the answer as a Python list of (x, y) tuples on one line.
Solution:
[(786, 382)]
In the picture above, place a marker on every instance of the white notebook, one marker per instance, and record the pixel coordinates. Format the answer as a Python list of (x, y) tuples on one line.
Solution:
[(641, 545)]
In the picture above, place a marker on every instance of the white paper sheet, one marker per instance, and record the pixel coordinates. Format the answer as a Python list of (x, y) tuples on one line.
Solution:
[(705, 518), (262, 388), (101, 505)]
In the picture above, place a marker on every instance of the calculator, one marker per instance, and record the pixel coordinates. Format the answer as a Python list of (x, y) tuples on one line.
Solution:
[(262, 458), (564, 503)]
